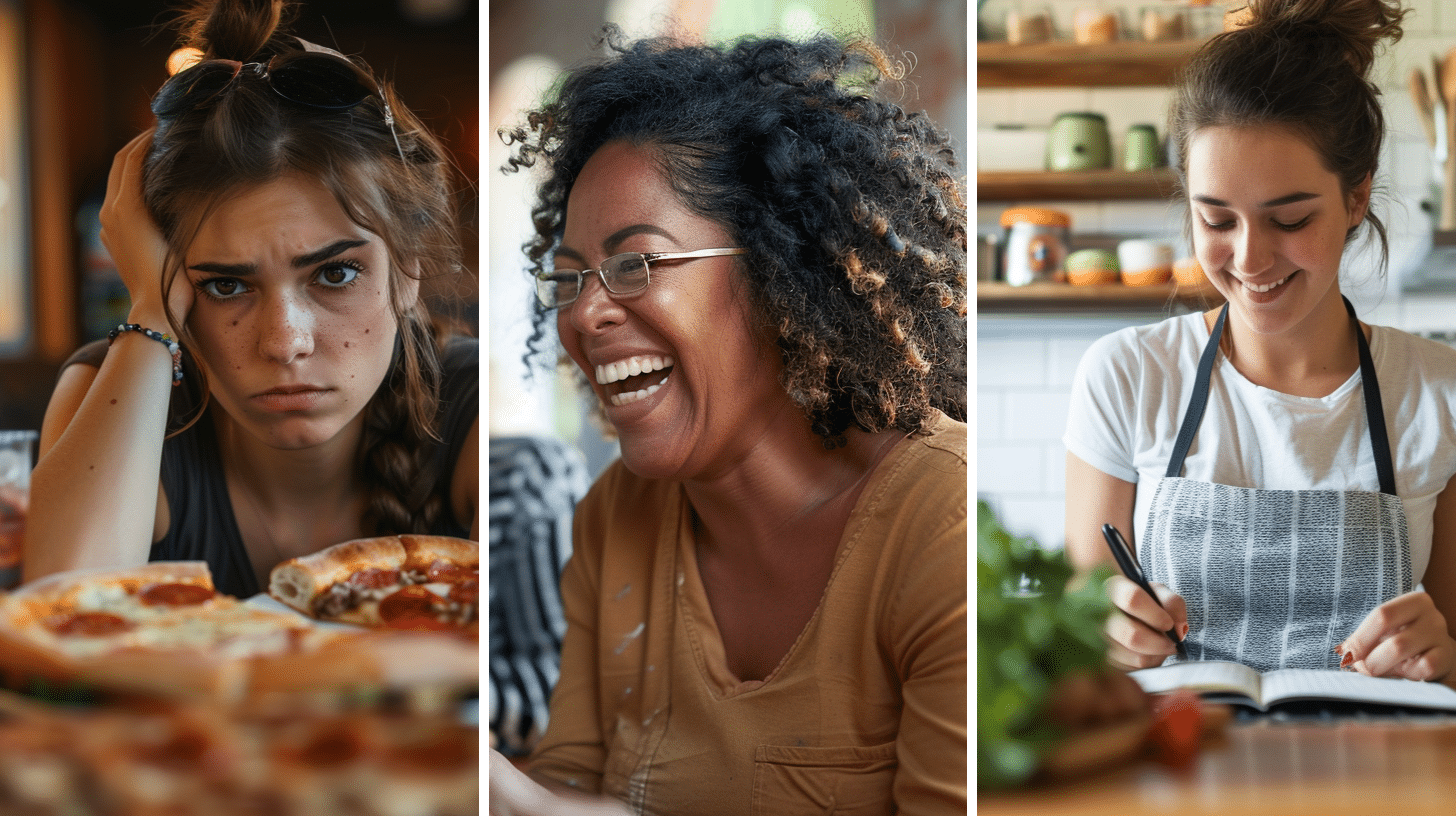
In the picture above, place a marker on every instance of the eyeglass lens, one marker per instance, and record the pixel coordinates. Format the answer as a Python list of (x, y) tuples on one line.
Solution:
[(622, 274)]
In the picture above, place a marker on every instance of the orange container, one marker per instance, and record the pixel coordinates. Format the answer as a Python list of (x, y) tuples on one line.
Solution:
[(1090, 267), (1187, 272)]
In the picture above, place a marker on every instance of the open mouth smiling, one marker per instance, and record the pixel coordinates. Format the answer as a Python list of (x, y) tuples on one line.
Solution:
[(633, 379), (1262, 288)]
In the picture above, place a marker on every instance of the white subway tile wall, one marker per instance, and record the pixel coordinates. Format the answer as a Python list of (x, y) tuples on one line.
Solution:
[(1025, 364), (1024, 368)]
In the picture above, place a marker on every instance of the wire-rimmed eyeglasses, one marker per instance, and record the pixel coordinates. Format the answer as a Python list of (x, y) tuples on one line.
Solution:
[(621, 274)]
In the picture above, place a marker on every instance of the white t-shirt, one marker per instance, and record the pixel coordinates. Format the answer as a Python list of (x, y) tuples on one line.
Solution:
[(1133, 386)]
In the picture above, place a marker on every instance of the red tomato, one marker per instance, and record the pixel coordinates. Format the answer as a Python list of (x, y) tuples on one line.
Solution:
[(1177, 727)]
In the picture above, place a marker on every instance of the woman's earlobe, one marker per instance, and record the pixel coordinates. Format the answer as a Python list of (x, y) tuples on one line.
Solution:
[(1360, 201)]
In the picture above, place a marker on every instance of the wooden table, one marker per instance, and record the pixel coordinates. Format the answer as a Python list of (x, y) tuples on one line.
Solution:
[(1267, 768)]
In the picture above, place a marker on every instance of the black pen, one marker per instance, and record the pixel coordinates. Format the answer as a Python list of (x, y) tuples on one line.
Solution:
[(1127, 562)]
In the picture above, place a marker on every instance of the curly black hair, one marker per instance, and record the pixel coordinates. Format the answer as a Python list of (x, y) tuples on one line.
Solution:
[(852, 210)]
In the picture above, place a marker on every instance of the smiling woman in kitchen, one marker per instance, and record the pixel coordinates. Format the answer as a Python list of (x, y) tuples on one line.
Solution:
[(761, 271), (278, 386), (1291, 526)]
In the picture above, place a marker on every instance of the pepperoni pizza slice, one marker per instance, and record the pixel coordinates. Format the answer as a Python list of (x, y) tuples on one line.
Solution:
[(152, 625), (389, 582)]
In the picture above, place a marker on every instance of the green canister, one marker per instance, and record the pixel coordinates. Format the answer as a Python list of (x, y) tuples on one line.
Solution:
[(1079, 141)]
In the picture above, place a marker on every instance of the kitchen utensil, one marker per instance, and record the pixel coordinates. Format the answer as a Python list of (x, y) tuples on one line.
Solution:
[(1079, 141), (1425, 110), (1036, 244), (1447, 83), (1438, 111)]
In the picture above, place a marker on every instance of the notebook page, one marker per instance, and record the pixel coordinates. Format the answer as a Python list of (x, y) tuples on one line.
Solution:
[(1290, 684), (1200, 675)]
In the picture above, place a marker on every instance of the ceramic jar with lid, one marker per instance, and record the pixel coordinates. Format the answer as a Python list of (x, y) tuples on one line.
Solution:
[(1079, 141), (1036, 244)]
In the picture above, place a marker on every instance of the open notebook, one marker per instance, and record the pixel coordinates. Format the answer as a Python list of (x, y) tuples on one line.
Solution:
[(1225, 682)]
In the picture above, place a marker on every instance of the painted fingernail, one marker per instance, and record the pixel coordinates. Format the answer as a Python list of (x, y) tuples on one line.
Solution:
[(1346, 659), (1183, 631)]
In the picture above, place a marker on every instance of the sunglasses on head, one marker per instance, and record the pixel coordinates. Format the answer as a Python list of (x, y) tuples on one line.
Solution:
[(309, 78)]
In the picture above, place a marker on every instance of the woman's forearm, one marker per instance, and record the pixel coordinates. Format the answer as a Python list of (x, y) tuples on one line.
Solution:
[(94, 488), (512, 793)]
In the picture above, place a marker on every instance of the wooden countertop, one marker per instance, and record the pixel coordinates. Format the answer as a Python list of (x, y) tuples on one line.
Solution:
[(1267, 768)]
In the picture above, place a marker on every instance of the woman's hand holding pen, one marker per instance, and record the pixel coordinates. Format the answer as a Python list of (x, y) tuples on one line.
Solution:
[(1137, 630), (136, 245), (1404, 637)]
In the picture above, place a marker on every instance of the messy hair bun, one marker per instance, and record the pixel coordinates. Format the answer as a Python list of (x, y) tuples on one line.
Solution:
[(1358, 26), (393, 180), (1302, 65), (234, 30)]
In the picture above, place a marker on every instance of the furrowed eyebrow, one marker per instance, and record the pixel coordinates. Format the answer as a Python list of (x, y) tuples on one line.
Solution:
[(243, 270), (318, 255)]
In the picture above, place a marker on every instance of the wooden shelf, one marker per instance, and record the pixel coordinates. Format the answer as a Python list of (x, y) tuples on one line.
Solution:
[(1065, 64), (1069, 65), (1083, 185), (996, 296)]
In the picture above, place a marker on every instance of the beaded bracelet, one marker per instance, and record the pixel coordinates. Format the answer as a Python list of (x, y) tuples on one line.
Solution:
[(164, 339)]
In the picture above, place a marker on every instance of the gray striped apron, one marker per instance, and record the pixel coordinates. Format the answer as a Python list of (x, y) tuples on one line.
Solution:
[(1276, 578)]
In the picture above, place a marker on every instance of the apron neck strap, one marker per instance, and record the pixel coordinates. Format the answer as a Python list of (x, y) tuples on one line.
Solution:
[(1193, 416), (1374, 411)]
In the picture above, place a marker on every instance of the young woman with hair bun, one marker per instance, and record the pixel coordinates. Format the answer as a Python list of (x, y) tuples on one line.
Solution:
[(1283, 468), (279, 385)]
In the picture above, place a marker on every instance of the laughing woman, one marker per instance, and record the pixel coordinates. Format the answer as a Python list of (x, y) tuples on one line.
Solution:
[(277, 223), (1287, 468), (761, 272)]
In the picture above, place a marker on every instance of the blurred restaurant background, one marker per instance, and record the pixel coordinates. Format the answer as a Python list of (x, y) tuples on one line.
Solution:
[(76, 79)]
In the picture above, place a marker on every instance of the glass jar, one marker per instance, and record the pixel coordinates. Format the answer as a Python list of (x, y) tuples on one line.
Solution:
[(1036, 244)]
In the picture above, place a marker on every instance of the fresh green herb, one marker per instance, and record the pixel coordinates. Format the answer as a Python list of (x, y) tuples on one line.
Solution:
[(1034, 625)]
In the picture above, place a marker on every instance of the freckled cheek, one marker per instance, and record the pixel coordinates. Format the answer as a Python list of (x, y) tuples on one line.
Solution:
[(219, 343), (363, 352)]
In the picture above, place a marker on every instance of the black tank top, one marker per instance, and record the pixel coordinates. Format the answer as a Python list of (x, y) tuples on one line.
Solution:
[(202, 525)]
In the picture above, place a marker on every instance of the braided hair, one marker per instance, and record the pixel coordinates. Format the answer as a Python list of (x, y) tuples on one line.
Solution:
[(249, 136)]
